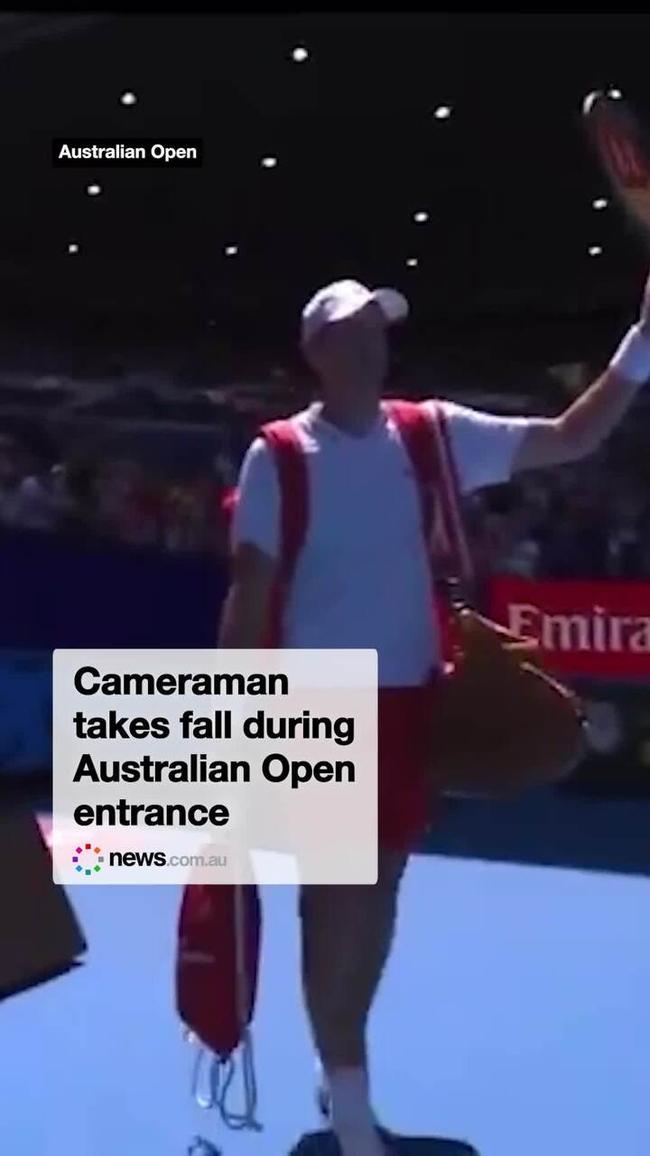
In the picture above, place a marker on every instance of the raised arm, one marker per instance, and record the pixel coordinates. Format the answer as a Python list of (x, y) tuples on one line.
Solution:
[(589, 420)]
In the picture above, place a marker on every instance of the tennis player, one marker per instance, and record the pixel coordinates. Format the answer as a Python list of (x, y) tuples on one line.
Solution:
[(363, 580)]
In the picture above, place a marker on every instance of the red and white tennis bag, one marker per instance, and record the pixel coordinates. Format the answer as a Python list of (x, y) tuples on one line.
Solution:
[(219, 935), (220, 926)]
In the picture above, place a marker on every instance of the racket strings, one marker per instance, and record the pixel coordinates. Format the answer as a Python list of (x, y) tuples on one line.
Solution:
[(624, 157)]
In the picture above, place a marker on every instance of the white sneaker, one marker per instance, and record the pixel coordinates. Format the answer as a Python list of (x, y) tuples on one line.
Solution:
[(323, 1103), (324, 1106)]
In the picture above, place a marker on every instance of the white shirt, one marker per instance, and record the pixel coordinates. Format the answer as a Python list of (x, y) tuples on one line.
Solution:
[(363, 579)]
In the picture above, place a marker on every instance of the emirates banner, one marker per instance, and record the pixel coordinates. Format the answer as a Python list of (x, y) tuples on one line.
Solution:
[(585, 629)]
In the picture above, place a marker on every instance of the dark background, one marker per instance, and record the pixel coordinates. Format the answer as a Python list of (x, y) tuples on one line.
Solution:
[(508, 180)]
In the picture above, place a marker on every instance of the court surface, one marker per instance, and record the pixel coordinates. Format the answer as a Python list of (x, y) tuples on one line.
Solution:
[(514, 1015)]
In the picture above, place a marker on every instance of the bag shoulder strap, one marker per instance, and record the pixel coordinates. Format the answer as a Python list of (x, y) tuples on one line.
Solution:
[(417, 438), (283, 440), (450, 490), (291, 464), (426, 439)]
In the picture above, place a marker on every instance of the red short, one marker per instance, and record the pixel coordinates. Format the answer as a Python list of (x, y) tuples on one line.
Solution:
[(407, 802)]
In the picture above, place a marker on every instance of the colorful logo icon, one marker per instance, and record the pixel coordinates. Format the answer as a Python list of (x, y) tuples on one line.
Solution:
[(89, 853)]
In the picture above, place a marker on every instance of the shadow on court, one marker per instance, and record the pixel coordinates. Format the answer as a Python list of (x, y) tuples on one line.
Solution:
[(549, 828)]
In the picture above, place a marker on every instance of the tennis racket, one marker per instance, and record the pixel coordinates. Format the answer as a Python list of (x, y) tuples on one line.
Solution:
[(623, 149)]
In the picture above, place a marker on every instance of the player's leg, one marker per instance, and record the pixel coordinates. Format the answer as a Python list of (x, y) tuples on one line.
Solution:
[(348, 931), (347, 934)]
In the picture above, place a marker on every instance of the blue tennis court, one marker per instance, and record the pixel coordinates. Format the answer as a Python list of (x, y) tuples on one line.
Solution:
[(514, 1015)]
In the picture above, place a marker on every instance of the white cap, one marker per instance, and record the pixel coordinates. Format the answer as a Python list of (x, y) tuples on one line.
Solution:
[(343, 299)]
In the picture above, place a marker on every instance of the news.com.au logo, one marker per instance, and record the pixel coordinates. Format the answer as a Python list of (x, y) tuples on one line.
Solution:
[(88, 860)]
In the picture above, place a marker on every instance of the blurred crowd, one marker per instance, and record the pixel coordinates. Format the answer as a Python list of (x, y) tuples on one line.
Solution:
[(591, 520), (118, 501), (584, 521)]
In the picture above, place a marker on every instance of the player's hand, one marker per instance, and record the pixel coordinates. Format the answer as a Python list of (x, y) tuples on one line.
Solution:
[(644, 319)]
